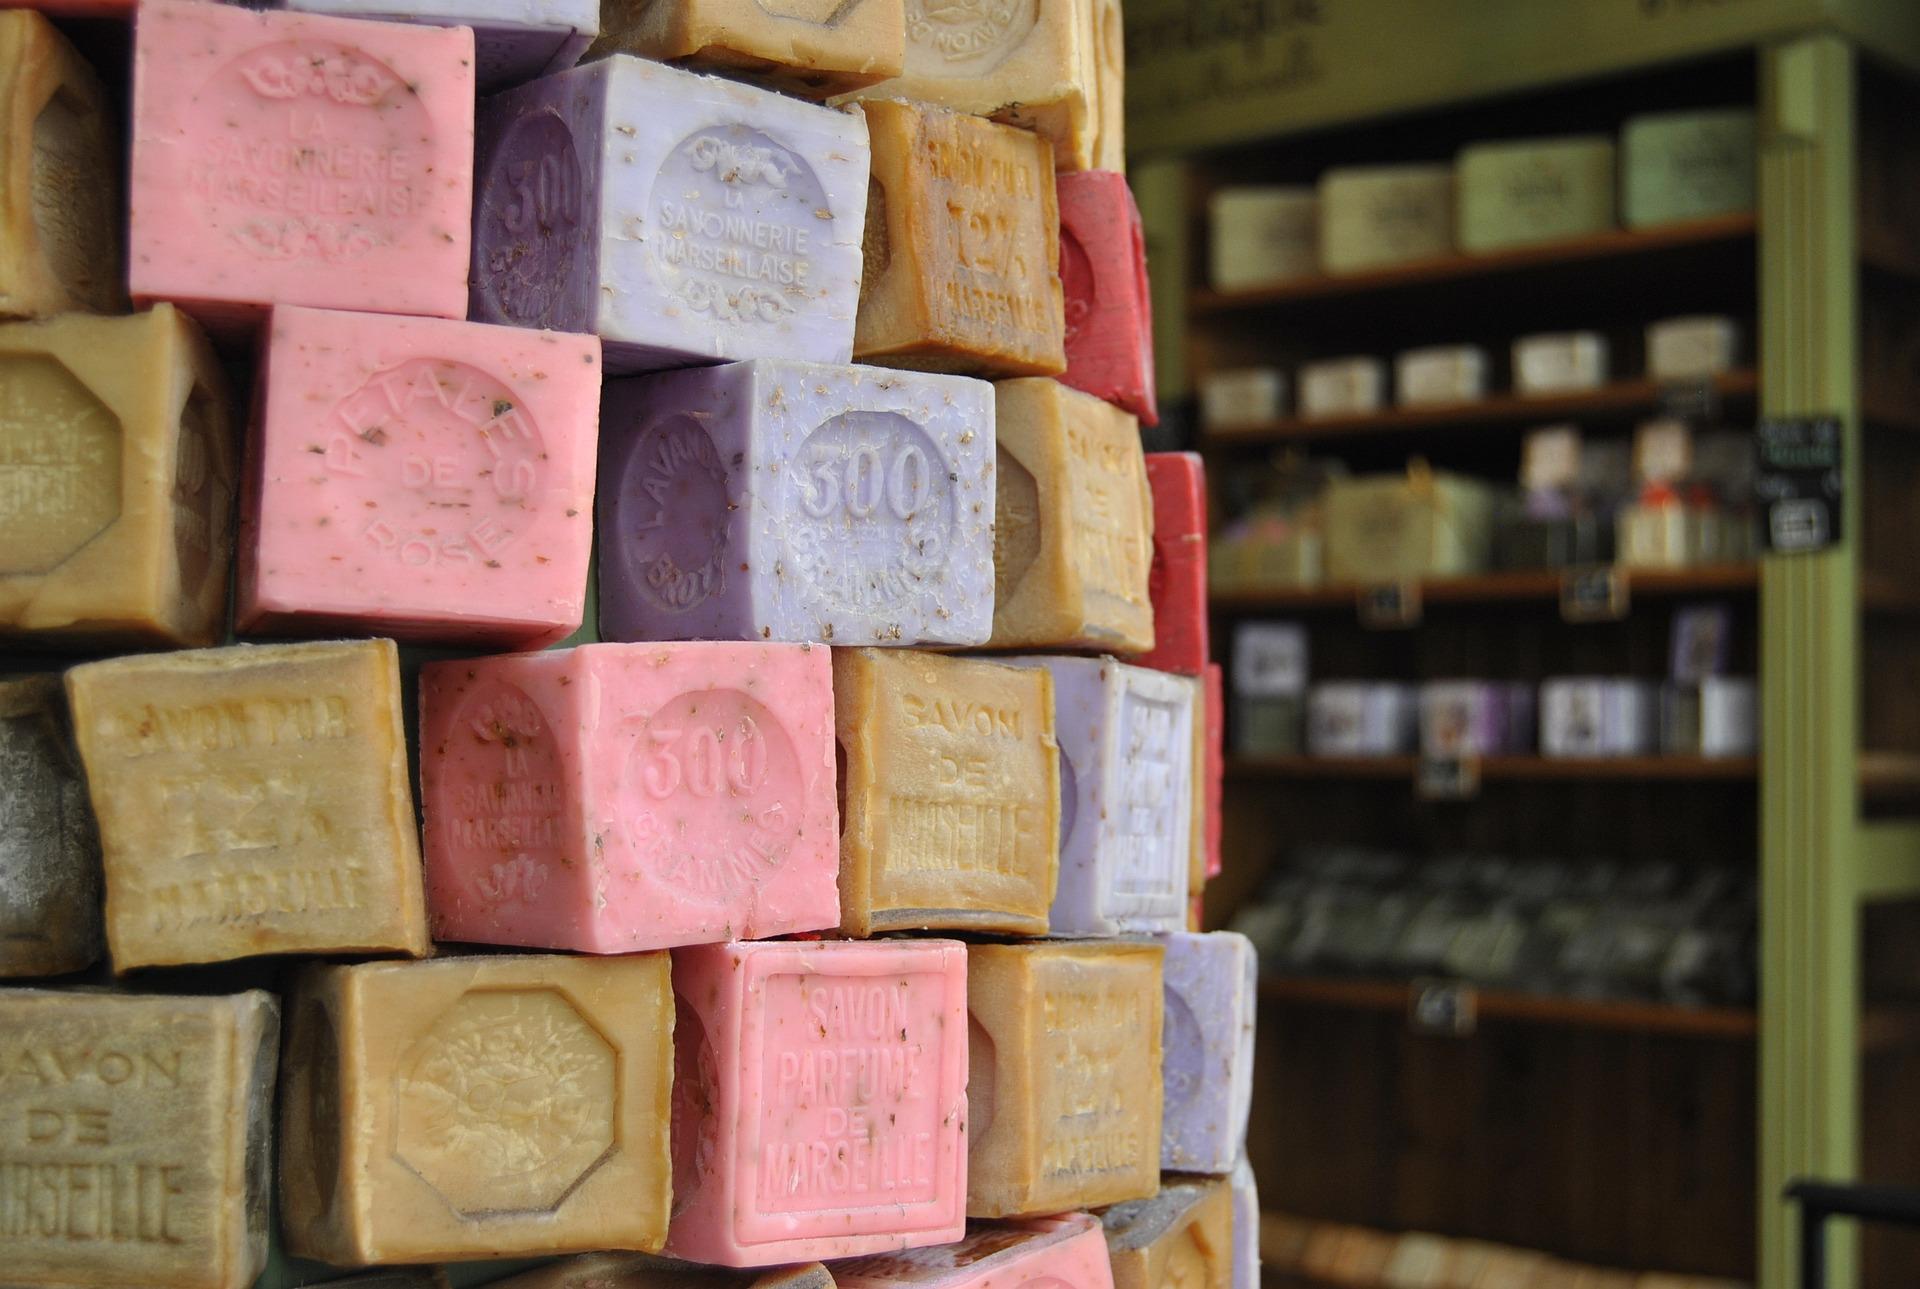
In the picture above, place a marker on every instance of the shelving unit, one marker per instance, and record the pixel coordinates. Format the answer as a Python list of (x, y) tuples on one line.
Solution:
[(1518, 768)]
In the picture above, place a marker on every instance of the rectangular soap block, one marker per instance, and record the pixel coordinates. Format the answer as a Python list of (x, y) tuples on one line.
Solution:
[(778, 500), (801, 47), (820, 1099), (1126, 738), (478, 1107), (1064, 1252), (1262, 235), (1243, 396), (1692, 347), (1181, 1236), (1213, 692), (1687, 165), (50, 921), (1073, 523), (1523, 191), (419, 478), (962, 253), (1246, 1226), (1342, 387), (292, 158), (1177, 580), (60, 164), (1379, 216), (950, 790), (513, 40), (1197, 802), (1064, 1095), (1559, 362), (649, 1271), (683, 219), (117, 469), (618, 797), (1440, 374), (252, 800), (1109, 308), (1211, 985), (136, 1146)]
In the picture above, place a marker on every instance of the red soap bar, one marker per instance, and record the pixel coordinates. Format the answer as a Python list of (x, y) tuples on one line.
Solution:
[(1215, 686), (1178, 579), (1103, 268)]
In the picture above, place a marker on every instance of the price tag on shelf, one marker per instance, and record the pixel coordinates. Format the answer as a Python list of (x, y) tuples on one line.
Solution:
[(1448, 778), (1697, 399), (1391, 606), (1597, 594), (1448, 1008)]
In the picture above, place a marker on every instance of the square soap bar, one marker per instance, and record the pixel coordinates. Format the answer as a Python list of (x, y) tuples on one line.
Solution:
[(776, 500), (138, 1137), (1177, 581), (513, 40), (1103, 272), (476, 1107), (647, 1271), (613, 798), (681, 218), (1211, 982), (291, 158), (49, 849), (252, 800), (1065, 1252), (60, 162), (802, 47), (419, 478), (1073, 524), (820, 1099), (951, 792), (1182, 1236), (1246, 1226), (1126, 738), (962, 247), (117, 467), (1064, 1095)]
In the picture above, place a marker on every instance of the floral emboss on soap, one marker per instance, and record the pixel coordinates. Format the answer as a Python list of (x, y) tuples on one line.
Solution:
[(508, 798), (528, 224), (674, 523), (59, 465), (965, 37)]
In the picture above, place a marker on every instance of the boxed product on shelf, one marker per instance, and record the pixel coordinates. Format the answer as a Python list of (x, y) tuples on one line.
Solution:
[(1439, 374), (1424, 523), (1342, 387), (1596, 716), (1554, 522), (1476, 718), (1242, 396), (1695, 501), (1533, 190), (1269, 688), (1378, 216), (1280, 541), (1263, 235), (1693, 346), (1686, 165), (1714, 716), (1702, 637), (1361, 718), (1559, 362)]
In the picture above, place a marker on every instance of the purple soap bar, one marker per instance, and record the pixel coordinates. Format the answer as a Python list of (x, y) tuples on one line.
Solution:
[(775, 500), (1126, 795), (682, 218), (513, 40), (1207, 1052), (1246, 1226)]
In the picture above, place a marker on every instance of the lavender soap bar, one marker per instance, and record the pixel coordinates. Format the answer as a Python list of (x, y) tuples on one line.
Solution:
[(774, 500), (1207, 1062), (513, 40), (682, 218)]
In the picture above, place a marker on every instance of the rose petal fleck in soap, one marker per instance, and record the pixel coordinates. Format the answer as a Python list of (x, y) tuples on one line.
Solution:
[(776, 500), (612, 797), (421, 479), (1210, 983), (820, 1099), (1103, 270), (514, 40), (1177, 581), (1065, 1252)]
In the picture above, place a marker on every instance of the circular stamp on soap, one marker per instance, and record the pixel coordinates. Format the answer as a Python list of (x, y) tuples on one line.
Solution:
[(670, 517), (527, 230), (965, 38)]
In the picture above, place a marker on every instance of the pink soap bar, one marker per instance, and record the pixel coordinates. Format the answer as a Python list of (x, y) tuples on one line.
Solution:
[(1177, 581), (1213, 682), (1065, 1252), (1103, 272), (819, 1098), (421, 479), (620, 797), (289, 158)]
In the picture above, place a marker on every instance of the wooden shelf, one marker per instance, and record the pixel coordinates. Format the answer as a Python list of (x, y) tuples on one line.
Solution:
[(1535, 1009), (1601, 248), (1496, 588), (1511, 768)]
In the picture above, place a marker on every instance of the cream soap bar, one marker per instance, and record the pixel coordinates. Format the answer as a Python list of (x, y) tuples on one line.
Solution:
[(476, 1108), (49, 848), (646, 1271), (1181, 1236), (803, 47), (291, 158), (951, 815), (1064, 1094), (776, 500), (252, 800), (612, 797), (682, 218), (1073, 527), (116, 481), (136, 1147), (820, 1099), (419, 478), (1374, 217), (1065, 1252), (1211, 983), (513, 40)]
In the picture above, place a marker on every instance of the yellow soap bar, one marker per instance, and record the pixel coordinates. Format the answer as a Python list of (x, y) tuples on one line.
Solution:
[(1073, 522), (59, 178), (1063, 1088), (495, 1106), (1181, 1238), (951, 819), (810, 48), (962, 247), (136, 1146), (252, 800), (117, 467), (643, 1271)]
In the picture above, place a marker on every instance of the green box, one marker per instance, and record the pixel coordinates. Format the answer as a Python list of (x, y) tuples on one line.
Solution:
[(1535, 190), (1686, 165)]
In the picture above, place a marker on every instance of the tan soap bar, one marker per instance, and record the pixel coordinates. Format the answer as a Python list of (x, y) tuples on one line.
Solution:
[(477, 1107), (951, 818), (1181, 1238), (253, 799), (116, 481), (812, 48), (962, 247), (644, 1271), (59, 178), (1063, 1088), (49, 848), (1073, 522), (134, 1138)]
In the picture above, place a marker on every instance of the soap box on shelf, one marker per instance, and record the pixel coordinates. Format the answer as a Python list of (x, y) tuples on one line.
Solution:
[(1269, 688), (1687, 165), (1361, 718), (1713, 716), (1262, 235), (1376, 217), (1534, 190), (1691, 347), (1476, 718), (1440, 374), (1596, 716), (1424, 523), (1244, 396), (1342, 387), (1559, 362)]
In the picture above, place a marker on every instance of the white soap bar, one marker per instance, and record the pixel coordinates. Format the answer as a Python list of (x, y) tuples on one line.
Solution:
[(1342, 387), (513, 40), (1559, 363), (1269, 660), (1263, 235), (1441, 374), (1246, 1227), (1361, 718), (1246, 396), (1685, 348), (1596, 716)]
